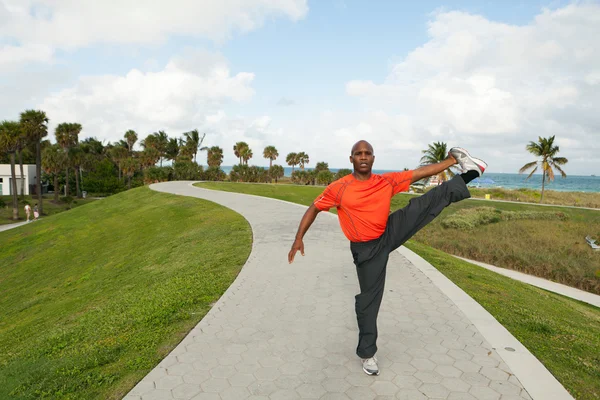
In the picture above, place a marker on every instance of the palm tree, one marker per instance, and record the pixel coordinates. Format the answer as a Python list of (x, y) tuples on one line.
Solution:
[(240, 148), (76, 156), (172, 150), (54, 160), (194, 142), (131, 137), (276, 172), (149, 157), (117, 155), (246, 154), (130, 165), (35, 127), (22, 144), (545, 149), (435, 153), (292, 160), (10, 132), (303, 159), (67, 136), (162, 140), (271, 153), (214, 156)]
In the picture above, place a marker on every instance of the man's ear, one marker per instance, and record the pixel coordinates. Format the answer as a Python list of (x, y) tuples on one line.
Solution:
[(351, 160)]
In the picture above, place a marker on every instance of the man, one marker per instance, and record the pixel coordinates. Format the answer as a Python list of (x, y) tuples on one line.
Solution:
[(363, 201)]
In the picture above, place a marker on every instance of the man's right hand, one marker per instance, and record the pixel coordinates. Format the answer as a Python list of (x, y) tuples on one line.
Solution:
[(298, 245)]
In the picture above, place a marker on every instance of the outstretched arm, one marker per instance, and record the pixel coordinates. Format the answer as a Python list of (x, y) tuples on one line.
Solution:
[(432, 169), (305, 223)]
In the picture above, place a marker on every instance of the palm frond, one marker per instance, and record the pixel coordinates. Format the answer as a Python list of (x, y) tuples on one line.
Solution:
[(527, 166), (532, 172), (560, 160)]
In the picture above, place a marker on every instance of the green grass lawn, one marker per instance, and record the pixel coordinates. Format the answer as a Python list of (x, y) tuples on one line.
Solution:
[(92, 299), (551, 249), (564, 334), (50, 208)]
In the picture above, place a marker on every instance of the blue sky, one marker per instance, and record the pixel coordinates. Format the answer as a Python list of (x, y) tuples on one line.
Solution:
[(315, 76)]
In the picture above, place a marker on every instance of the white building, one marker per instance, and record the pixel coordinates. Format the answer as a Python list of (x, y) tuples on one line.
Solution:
[(6, 178)]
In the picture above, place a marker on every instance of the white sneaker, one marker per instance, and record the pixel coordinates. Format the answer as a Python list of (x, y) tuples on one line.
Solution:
[(370, 366), (466, 162)]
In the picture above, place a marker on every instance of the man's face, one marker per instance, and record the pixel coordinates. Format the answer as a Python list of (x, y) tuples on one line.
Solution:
[(362, 157)]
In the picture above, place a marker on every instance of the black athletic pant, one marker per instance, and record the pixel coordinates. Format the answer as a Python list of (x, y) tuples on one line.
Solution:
[(371, 257)]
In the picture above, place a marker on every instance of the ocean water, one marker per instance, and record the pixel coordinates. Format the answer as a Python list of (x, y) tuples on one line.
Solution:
[(572, 183)]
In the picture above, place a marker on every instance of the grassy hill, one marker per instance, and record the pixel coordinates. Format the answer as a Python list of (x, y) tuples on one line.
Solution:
[(93, 298)]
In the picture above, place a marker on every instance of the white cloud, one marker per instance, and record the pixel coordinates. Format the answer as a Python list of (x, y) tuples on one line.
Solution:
[(188, 92), (70, 24), (490, 85), (13, 56)]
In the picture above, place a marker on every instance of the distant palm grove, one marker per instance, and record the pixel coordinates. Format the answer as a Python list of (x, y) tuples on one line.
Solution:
[(71, 165)]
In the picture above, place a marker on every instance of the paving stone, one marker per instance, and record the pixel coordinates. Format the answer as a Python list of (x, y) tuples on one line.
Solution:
[(288, 382), (185, 391), (455, 385), (310, 390), (241, 379), (168, 382), (484, 393), (158, 394), (428, 376), (410, 394), (434, 391), (284, 394), (361, 393)]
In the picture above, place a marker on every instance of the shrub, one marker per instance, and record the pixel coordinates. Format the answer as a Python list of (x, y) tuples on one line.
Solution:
[(187, 171), (342, 173), (244, 173), (324, 177), (158, 174), (214, 174), (276, 172), (301, 177), (2, 203)]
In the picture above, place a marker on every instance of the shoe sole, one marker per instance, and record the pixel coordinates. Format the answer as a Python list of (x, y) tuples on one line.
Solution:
[(371, 373), (480, 163)]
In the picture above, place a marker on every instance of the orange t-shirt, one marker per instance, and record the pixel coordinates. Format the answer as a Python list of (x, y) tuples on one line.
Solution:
[(363, 206)]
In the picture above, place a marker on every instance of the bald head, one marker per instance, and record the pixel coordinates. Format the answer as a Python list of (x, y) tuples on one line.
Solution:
[(359, 144)]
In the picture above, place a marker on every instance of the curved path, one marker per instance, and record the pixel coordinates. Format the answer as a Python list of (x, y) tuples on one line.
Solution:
[(288, 331)]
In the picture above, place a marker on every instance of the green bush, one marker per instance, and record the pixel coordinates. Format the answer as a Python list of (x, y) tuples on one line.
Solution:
[(187, 171), (158, 174), (324, 177), (342, 173), (2, 203), (245, 173), (214, 174)]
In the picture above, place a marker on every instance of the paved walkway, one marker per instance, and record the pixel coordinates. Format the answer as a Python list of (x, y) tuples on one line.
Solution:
[(288, 331)]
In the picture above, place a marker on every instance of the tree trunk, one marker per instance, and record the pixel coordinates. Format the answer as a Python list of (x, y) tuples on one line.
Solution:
[(270, 163), (56, 190), (22, 176), (77, 191), (67, 183), (13, 187), (543, 183), (129, 182), (119, 167), (38, 172)]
